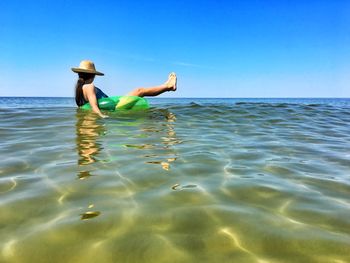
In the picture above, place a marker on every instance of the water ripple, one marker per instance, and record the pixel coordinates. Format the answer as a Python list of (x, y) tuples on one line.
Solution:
[(182, 182)]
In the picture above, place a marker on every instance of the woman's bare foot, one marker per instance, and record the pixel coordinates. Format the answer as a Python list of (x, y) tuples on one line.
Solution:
[(171, 83)]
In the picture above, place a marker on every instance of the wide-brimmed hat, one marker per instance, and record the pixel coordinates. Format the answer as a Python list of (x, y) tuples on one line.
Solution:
[(87, 66)]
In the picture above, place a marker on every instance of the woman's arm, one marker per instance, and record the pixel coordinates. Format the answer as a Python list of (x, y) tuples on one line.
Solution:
[(91, 96)]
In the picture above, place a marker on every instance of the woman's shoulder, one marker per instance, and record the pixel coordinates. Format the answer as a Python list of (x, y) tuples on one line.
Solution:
[(90, 86)]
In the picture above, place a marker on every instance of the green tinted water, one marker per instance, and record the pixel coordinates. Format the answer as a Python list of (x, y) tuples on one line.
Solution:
[(249, 182)]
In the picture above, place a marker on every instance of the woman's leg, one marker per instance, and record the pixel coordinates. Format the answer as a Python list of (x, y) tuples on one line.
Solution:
[(169, 85)]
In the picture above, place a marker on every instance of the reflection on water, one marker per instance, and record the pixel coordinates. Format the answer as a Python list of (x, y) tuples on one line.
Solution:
[(88, 131), (169, 139)]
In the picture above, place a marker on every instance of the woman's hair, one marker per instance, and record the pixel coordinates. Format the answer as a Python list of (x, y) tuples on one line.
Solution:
[(79, 95)]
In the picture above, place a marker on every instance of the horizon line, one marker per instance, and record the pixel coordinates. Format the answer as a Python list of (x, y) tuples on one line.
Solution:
[(64, 97)]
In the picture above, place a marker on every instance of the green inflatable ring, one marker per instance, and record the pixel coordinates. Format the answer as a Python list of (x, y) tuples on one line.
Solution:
[(120, 103)]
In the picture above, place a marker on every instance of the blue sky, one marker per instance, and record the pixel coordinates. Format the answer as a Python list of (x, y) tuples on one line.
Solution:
[(218, 48)]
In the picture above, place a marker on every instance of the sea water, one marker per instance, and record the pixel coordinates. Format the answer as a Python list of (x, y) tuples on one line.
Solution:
[(189, 180)]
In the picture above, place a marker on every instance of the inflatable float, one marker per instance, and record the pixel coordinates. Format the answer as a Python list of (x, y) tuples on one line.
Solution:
[(120, 103)]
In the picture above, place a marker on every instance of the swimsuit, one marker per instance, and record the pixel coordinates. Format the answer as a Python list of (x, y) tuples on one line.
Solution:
[(100, 94)]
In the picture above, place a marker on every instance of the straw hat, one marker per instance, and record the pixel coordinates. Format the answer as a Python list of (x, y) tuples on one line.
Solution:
[(87, 66)]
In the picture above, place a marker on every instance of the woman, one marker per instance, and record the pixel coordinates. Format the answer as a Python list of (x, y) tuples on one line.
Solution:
[(85, 90)]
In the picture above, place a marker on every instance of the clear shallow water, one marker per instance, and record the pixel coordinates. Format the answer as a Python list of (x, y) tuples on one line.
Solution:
[(210, 180)]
